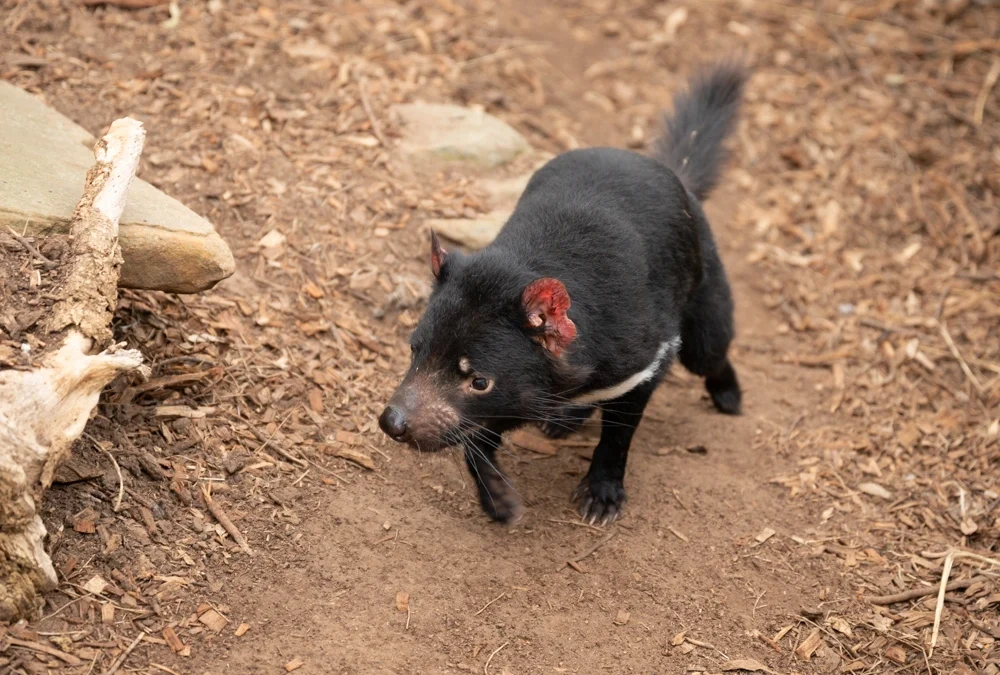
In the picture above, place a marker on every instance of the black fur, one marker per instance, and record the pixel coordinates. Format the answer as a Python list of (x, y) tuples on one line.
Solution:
[(626, 235)]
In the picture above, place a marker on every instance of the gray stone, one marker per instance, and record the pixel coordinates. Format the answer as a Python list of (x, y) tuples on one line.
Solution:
[(473, 233), (503, 193), (439, 133), (44, 159)]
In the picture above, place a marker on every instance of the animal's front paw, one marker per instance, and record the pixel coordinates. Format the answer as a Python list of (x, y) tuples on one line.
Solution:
[(499, 500), (601, 500)]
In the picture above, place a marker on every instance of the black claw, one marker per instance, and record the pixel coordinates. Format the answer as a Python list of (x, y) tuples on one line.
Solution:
[(601, 500)]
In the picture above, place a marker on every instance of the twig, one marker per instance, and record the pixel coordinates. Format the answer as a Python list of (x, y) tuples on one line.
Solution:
[(118, 470), (486, 668), (121, 659), (939, 609), (367, 104), (68, 659), (706, 645), (961, 362), (127, 4), (991, 79), (915, 593), (589, 551), (30, 248), (163, 668), (223, 519), (490, 603)]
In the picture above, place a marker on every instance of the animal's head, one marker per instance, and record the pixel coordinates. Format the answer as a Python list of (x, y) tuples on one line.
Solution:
[(486, 354)]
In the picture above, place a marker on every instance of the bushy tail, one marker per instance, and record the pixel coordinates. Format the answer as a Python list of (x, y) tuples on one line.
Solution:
[(703, 116)]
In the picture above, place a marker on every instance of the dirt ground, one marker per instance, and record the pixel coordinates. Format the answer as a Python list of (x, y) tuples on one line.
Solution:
[(859, 223)]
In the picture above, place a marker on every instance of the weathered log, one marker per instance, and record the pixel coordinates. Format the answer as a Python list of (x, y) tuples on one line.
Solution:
[(43, 410)]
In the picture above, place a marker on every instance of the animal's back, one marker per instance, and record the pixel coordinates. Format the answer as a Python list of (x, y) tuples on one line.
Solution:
[(616, 228)]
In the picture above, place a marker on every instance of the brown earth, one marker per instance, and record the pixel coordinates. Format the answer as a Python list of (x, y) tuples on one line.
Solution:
[(859, 226)]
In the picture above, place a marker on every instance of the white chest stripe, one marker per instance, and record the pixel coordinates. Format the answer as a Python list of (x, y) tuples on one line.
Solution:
[(670, 347)]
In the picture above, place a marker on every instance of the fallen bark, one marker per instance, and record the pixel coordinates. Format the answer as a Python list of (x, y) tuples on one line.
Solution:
[(44, 409)]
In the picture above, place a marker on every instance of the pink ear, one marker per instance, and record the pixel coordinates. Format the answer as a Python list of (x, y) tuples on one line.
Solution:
[(545, 303), (438, 255)]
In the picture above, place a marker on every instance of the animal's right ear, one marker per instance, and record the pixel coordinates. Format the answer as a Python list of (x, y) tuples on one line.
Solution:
[(438, 255)]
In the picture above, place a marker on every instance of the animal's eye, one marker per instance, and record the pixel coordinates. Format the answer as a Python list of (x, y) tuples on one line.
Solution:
[(413, 348), (481, 384)]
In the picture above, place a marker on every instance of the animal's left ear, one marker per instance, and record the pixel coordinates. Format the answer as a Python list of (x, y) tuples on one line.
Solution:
[(438, 255), (545, 304)]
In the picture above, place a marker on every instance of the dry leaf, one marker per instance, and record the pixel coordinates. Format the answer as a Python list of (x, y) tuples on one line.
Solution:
[(96, 585), (678, 639), (840, 625), (764, 535)]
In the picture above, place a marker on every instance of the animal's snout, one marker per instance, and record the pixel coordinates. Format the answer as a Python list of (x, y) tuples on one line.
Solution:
[(393, 422)]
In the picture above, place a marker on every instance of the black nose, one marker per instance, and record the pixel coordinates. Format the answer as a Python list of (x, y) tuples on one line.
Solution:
[(393, 423)]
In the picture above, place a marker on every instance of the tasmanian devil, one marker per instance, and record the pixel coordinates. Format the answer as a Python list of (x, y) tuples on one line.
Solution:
[(604, 274)]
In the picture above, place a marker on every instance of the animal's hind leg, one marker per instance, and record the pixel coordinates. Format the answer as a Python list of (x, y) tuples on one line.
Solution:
[(706, 331)]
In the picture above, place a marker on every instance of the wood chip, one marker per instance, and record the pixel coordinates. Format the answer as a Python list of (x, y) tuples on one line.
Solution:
[(108, 614), (896, 653), (213, 620), (678, 639), (809, 646), (173, 641), (875, 490), (314, 291), (85, 522), (316, 400), (242, 630), (402, 601), (183, 411), (355, 456), (294, 664), (622, 618), (346, 437)]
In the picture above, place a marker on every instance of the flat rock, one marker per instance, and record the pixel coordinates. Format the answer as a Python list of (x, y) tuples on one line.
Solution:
[(441, 133), (473, 233), (44, 159), (502, 193)]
